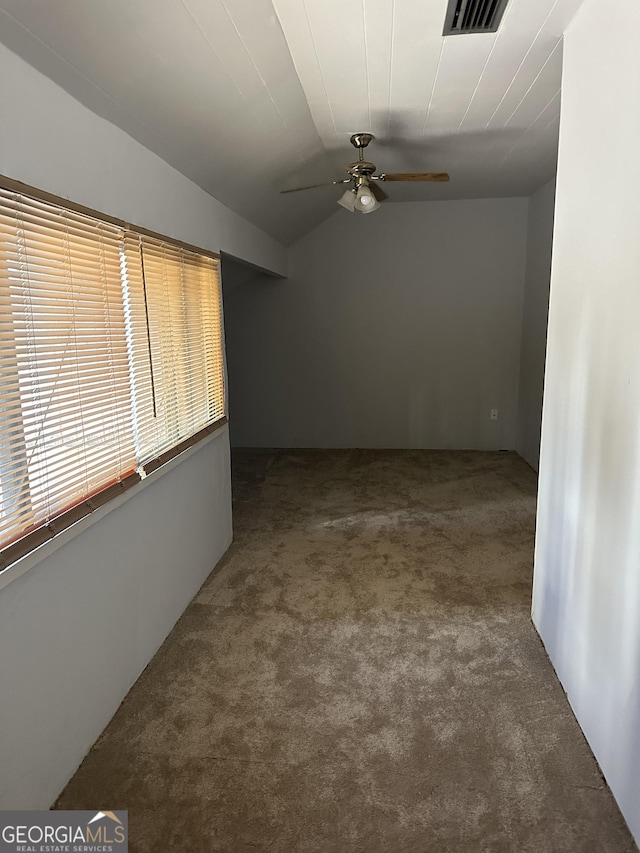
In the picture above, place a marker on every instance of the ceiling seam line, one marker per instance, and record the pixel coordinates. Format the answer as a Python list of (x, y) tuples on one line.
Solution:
[(324, 84), (538, 160), (533, 82), (393, 28), (366, 60), (475, 91), (541, 155), (522, 136), (484, 67), (433, 88), (524, 59), (212, 48), (555, 119), (549, 123), (251, 60), (91, 82)]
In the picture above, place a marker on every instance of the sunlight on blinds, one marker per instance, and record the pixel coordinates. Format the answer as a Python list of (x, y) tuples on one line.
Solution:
[(111, 362), (173, 313), (65, 416)]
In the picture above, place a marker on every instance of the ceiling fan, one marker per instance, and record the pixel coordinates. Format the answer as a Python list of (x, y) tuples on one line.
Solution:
[(364, 193)]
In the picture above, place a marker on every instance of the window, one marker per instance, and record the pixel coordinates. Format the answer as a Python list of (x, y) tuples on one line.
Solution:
[(111, 361), (173, 311)]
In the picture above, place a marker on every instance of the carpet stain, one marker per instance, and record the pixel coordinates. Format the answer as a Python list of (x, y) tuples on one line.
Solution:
[(359, 674)]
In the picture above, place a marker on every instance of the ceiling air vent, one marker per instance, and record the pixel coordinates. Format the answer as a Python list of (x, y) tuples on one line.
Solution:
[(473, 16)]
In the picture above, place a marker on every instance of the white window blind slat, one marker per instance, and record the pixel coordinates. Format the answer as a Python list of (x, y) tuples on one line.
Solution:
[(111, 360), (171, 291), (61, 345)]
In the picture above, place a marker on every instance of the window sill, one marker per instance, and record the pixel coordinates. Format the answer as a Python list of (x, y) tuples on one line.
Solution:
[(42, 552)]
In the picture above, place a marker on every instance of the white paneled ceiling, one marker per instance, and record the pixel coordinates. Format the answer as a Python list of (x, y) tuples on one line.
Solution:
[(482, 107), (247, 97)]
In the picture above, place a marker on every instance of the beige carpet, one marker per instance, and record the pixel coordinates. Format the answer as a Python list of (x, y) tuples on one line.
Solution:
[(359, 674)]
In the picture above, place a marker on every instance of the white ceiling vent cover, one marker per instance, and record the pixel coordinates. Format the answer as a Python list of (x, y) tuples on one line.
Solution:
[(473, 16)]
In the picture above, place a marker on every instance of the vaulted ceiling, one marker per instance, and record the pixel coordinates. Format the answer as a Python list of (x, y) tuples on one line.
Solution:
[(249, 97)]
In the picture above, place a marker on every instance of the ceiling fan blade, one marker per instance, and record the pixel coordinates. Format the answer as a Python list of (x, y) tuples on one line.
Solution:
[(378, 193), (415, 176), (313, 187)]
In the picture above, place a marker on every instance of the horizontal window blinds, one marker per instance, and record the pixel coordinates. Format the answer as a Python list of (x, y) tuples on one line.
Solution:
[(65, 418), (111, 361), (175, 325)]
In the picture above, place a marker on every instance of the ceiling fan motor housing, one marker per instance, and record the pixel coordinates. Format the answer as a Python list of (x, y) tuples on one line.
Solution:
[(361, 169)]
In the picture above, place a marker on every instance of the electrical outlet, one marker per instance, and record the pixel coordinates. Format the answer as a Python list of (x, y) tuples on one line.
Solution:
[(493, 415)]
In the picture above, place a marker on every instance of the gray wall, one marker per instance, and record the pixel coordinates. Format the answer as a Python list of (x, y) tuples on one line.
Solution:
[(82, 616), (587, 567), (79, 626), (534, 322), (397, 329), (54, 143)]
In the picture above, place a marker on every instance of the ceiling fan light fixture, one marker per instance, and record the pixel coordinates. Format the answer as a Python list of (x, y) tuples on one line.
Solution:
[(371, 207), (348, 200), (365, 200)]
